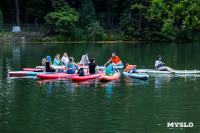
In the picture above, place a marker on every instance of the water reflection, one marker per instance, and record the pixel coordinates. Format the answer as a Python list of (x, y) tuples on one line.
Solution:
[(108, 87), (71, 86), (16, 54), (161, 79), (48, 89), (133, 81), (74, 106)]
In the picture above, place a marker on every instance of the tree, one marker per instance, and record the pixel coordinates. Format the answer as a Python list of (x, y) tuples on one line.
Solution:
[(95, 32), (87, 13), (63, 17), (36, 8), (181, 14), (1, 21), (17, 12), (139, 7)]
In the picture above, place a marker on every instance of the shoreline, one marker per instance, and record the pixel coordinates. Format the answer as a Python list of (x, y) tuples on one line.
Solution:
[(38, 37)]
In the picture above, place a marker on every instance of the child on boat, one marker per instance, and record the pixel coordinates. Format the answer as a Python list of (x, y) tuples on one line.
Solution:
[(159, 65), (109, 69), (130, 68)]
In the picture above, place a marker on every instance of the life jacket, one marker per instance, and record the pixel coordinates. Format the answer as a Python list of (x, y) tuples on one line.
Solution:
[(160, 65)]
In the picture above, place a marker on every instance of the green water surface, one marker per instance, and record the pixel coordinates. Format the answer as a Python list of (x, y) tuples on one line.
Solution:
[(31, 105)]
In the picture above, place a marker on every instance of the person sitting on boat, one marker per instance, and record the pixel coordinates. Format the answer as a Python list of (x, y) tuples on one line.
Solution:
[(115, 59), (130, 68), (71, 66), (84, 60), (43, 62), (159, 65), (92, 67), (48, 65), (109, 68), (65, 59), (56, 61)]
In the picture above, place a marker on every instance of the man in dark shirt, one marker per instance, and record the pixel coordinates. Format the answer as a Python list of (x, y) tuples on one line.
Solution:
[(93, 67)]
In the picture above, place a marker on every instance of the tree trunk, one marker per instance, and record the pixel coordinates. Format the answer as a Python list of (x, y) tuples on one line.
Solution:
[(17, 12), (36, 23), (130, 14), (140, 19), (109, 17)]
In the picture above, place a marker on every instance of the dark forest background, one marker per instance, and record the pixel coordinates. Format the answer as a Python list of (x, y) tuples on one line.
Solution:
[(96, 20)]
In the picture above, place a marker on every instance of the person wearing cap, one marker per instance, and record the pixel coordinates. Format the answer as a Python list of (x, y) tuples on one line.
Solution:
[(115, 59), (130, 68), (159, 65), (48, 65), (92, 67), (84, 60)]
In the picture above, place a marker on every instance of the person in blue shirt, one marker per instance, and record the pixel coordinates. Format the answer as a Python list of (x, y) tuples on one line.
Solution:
[(57, 61), (71, 66), (159, 65), (109, 69)]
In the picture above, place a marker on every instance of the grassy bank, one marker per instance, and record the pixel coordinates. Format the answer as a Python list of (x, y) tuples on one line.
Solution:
[(9, 37), (22, 36), (108, 37)]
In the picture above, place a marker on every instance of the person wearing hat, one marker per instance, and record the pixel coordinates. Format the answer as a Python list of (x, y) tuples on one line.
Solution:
[(48, 65), (92, 67), (159, 65)]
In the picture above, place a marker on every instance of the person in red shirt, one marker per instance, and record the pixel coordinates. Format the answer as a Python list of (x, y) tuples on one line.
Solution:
[(115, 59), (130, 68)]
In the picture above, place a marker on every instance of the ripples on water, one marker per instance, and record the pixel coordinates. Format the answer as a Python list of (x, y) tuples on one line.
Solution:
[(30, 104)]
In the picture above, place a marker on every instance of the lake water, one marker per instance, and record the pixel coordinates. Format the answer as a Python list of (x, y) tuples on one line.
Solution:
[(31, 105)]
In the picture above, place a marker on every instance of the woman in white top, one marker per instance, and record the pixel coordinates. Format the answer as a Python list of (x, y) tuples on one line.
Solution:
[(159, 65), (65, 59), (84, 60)]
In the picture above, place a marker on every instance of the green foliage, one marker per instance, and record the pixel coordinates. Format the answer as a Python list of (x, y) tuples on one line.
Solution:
[(127, 28), (113, 36), (138, 6), (182, 14), (87, 13), (63, 18), (36, 7), (60, 37), (156, 20), (79, 34), (1, 21), (95, 32)]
